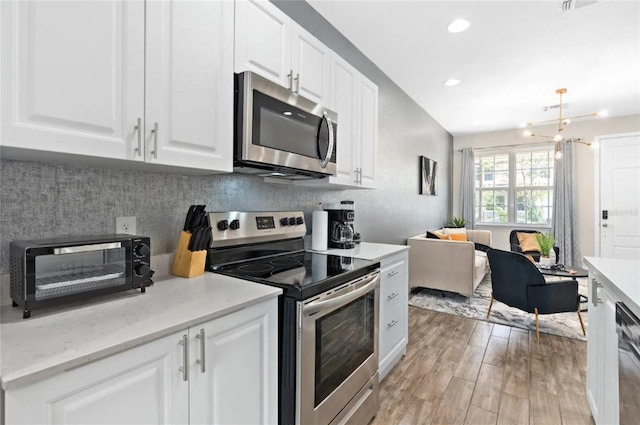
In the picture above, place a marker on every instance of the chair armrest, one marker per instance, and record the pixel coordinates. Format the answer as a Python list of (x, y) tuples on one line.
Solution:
[(516, 248), (554, 297), (482, 247)]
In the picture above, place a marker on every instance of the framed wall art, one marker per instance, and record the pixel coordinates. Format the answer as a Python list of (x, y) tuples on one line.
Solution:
[(428, 176)]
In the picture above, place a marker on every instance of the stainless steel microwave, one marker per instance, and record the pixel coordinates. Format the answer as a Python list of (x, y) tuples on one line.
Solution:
[(279, 133)]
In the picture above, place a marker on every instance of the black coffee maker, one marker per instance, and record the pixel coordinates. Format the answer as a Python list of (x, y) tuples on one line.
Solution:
[(341, 226)]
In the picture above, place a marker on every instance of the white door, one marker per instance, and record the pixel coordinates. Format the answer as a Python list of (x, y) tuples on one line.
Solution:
[(139, 386), (344, 79), (620, 196), (239, 384), (73, 76), (189, 91), (311, 61), (368, 132), (263, 41)]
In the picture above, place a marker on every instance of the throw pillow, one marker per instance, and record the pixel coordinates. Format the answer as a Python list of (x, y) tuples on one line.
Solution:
[(431, 235), (454, 231), (530, 258), (458, 237), (437, 235), (528, 242)]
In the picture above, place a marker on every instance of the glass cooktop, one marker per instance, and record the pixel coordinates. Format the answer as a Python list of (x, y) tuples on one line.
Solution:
[(301, 274)]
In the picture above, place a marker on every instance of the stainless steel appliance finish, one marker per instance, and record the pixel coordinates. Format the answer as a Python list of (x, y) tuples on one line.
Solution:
[(51, 271), (339, 351), (328, 319), (628, 329), (281, 134)]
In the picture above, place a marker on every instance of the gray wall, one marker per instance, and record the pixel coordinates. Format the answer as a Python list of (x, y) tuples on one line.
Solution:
[(42, 200)]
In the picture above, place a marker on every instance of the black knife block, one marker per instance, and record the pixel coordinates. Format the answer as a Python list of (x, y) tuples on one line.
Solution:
[(188, 263)]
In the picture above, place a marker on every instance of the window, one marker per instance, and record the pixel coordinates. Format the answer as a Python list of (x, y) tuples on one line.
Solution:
[(514, 186)]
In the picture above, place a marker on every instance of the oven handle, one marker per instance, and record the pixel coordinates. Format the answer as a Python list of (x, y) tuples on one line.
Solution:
[(317, 306), (86, 248)]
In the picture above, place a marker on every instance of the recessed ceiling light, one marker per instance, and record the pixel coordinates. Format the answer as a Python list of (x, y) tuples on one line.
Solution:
[(603, 113), (451, 82), (476, 122), (458, 25)]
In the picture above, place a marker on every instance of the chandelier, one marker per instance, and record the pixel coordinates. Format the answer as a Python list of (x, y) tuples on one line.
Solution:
[(562, 122)]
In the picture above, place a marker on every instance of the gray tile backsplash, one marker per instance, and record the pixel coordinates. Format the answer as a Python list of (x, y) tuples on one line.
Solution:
[(40, 200)]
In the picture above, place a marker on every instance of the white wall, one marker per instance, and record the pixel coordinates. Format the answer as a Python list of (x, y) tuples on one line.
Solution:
[(586, 129)]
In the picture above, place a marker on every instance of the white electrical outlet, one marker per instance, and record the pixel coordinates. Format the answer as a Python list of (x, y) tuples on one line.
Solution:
[(126, 225)]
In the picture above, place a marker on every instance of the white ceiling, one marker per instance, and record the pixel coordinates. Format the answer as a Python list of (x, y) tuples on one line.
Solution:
[(511, 60)]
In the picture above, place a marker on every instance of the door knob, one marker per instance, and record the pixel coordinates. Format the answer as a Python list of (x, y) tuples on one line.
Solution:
[(605, 225)]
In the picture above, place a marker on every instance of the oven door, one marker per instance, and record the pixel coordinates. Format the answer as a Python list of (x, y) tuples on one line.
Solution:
[(281, 129), (339, 350)]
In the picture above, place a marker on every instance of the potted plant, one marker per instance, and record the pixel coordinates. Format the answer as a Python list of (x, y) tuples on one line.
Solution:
[(546, 242), (457, 223)]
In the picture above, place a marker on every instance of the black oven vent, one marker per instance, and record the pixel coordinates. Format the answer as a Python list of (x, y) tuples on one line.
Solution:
[(15, 269)]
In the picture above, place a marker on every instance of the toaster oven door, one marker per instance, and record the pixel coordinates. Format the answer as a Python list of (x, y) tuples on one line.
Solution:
[(73, 270)]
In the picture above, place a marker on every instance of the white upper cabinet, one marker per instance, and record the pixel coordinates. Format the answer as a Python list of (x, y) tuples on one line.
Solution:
[(72, 76), (83, 78), (355, 99), (189, 77), (272, 45)]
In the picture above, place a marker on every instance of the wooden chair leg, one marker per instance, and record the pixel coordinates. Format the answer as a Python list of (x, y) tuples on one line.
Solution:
[(537, 328), (490, 305), (581, 322)]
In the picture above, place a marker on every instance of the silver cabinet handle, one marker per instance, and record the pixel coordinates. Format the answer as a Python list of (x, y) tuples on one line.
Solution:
[(594, 292), (290, 78), (202, 358), (185, 358), (138, 128), (297, 81), (605, 225), (392, 296), (154, 152), (392, 324), (393, 273)]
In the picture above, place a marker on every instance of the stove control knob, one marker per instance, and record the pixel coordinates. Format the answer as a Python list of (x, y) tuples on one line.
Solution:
[(292, 221), (223, 225), (141, 250), (141, 270), (299, 220), (284, 221), (234, 225)]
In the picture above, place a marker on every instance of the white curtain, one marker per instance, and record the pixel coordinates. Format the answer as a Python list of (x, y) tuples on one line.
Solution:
[(565, 207), (467, 188)]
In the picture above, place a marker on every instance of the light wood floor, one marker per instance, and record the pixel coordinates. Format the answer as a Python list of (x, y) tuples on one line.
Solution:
[(466, 371)]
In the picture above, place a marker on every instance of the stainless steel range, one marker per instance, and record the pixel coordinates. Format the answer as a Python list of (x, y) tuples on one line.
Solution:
[(328, 319)]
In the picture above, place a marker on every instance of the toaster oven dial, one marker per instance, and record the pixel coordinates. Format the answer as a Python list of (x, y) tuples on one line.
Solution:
[(141, 269), (141, 250)]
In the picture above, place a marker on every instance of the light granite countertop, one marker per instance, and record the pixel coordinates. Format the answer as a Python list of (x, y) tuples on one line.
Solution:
[(367, 251), (57, 339), (622, 277)]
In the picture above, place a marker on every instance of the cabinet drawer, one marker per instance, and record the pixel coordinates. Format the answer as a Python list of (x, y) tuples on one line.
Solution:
[(392, 270), (392, 291), (392, 328)]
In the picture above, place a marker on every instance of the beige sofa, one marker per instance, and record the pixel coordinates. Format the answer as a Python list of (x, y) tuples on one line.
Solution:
[(448, 265)]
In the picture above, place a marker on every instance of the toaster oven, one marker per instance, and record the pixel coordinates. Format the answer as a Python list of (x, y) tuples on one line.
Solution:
[(52, 271)]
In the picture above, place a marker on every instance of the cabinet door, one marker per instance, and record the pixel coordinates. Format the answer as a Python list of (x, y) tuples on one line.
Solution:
[(73, 76), (189, 77), (263, 41), (139, 386), (311, 62), (343, 95), (610, 397), (239, 384), (367, 106)]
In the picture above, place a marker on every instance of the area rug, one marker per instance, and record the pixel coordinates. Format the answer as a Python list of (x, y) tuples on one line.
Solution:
[(476, 307)]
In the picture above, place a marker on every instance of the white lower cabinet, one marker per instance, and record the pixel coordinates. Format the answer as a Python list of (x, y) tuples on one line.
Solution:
[(393, 327), (602, 353), (220, 372)]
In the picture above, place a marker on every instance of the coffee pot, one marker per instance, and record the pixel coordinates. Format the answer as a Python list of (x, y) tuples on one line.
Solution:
[(340, 226)]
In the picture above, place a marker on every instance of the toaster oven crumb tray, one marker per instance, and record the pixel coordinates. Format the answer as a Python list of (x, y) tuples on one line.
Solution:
[(78, 280)]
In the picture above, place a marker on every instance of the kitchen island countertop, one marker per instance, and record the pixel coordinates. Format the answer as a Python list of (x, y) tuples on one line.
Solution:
[(622, 277), (57, 339), (367, 251)]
